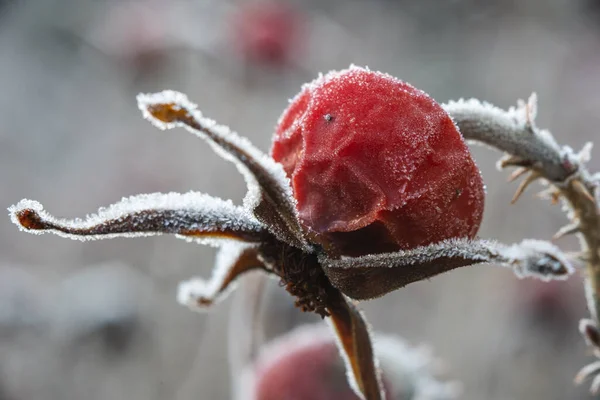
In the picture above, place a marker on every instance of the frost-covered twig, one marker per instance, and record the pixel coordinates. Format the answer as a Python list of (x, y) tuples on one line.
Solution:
[(538, 155)]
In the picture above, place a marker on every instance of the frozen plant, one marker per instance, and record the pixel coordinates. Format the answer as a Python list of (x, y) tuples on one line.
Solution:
[(400, 219)]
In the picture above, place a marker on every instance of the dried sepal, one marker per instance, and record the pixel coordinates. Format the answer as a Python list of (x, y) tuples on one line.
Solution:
[(356, 348), (589, 331), (371, 276), (233, 260), (191, 216), (269, 193)]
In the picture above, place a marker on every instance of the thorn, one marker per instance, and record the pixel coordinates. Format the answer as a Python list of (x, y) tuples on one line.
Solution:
[(517, 173), (569, 229), (512, 161), (526, 182), (551, 193), (581, 189)]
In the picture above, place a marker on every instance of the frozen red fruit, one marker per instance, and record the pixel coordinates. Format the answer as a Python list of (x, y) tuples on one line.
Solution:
[(377, 165)]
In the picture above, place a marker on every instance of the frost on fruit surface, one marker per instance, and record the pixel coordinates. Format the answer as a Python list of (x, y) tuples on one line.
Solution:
[(376, 164), (305, 363), (264, 177), (192, 216)]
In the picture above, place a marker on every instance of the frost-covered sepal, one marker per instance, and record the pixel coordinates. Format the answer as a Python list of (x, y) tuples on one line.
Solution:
[(374, 275), (534, 258), (353, 338), (589, 330), (269, 192), (233, 260), (192, 216)]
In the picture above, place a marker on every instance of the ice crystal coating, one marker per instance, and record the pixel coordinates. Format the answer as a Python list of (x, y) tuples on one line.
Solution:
[(264, 177), (198, 294), (377, 165), (190, 216)]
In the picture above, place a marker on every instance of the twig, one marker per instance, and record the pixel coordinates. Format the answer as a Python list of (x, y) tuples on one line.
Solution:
[(526, 146)]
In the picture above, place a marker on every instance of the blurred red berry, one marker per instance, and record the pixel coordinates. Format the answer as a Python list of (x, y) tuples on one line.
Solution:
[(267, 33), (302, 365), (377, 165)]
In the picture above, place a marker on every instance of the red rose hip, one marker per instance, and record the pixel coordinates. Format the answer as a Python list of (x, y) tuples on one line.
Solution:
[(377, 165)]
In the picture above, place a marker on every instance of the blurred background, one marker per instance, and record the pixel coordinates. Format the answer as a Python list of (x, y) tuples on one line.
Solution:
[(99, 320)]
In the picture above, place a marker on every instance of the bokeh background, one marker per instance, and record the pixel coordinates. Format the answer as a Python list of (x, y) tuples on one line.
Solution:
[(99, 320)]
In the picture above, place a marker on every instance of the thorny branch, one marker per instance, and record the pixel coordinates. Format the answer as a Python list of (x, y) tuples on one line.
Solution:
[(538, 156)]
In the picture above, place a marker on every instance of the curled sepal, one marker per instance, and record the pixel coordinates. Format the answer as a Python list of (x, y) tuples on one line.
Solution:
[(269, 192), (371, 276), (192, 216), (233, 260), (591, 334), (356, 347)]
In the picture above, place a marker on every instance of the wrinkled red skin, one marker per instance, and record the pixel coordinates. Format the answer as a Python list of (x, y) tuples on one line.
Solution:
[(376, 165), (267, 32), (313, 372)]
